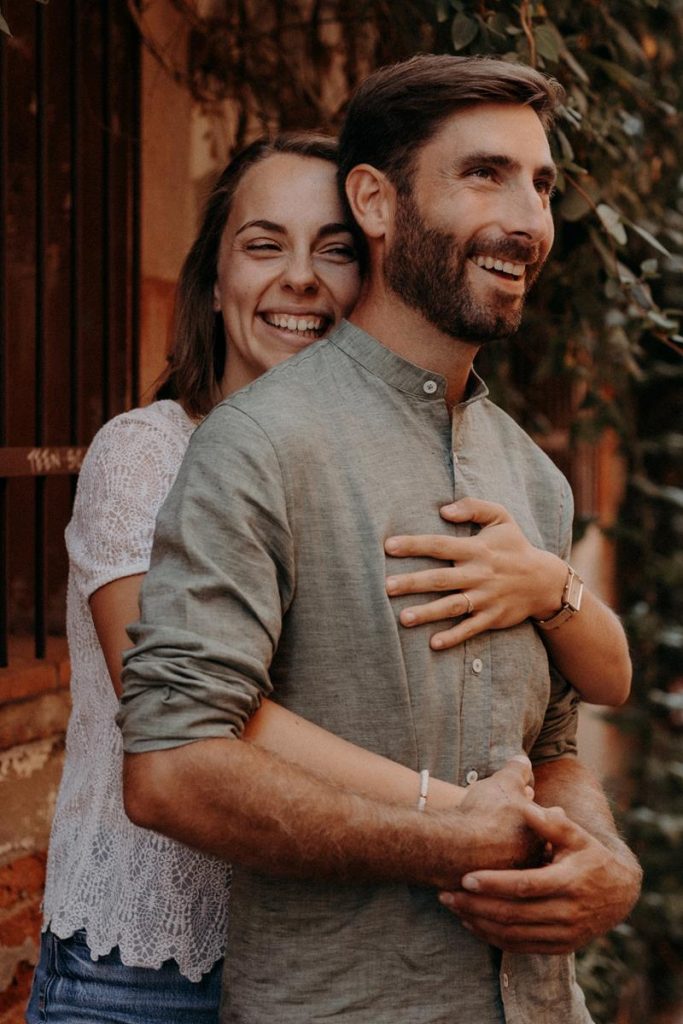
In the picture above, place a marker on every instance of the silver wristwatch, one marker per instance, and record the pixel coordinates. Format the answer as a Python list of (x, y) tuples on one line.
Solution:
[(571, 602)]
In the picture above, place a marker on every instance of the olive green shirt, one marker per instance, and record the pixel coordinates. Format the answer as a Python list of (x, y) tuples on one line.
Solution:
[(267, 578)]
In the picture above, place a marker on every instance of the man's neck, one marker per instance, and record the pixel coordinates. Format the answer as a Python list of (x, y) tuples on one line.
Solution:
[(406, 332)]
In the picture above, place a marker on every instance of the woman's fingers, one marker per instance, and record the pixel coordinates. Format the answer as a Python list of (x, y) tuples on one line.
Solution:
[(451, 607), (426, 581), (428, 545)]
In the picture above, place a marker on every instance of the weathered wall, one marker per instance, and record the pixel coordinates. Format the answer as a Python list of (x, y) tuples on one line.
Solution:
[(34, 709)]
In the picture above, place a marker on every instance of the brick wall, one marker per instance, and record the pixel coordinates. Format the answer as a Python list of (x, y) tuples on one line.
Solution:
[(34, 709)]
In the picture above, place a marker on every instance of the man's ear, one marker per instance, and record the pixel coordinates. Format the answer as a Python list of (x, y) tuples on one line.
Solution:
[(372, 199)]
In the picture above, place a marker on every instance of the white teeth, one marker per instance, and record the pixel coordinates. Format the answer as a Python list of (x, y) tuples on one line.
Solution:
[(293, 323), (489, 263)]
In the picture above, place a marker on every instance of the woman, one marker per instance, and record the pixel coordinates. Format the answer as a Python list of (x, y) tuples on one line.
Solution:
[(273, 269)]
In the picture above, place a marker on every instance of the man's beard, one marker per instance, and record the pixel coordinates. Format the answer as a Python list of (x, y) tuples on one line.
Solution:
[(427, 269)]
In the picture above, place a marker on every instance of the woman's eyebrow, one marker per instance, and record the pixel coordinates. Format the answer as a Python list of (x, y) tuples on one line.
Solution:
[(266, 225), (333, 229)]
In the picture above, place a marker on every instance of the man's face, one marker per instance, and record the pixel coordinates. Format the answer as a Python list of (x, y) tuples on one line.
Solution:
[(471, 239)]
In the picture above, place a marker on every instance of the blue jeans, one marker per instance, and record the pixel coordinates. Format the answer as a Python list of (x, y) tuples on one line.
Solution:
[(68, 986)]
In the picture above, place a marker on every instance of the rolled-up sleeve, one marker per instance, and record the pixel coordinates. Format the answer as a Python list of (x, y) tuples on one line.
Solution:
[(220, 580), (557, 737)]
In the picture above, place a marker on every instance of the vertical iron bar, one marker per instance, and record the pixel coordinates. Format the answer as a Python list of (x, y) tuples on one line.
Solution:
[(106, 209), (41, 216), (74, 226), (134, 189), (4, 568)]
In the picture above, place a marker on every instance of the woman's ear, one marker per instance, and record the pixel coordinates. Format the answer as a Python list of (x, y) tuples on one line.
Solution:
[(216, 298), (372, 199)]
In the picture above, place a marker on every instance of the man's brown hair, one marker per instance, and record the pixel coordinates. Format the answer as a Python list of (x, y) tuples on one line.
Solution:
[(401, 107)]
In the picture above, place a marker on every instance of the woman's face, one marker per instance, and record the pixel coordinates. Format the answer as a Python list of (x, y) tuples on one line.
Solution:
[(287, 269)]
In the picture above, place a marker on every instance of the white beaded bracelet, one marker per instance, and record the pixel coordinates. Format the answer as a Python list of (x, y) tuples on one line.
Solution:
[(424, 789)]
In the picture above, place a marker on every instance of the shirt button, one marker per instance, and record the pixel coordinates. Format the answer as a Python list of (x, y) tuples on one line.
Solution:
[(506, 981), (477, 665), (471, 776), (429, 387)]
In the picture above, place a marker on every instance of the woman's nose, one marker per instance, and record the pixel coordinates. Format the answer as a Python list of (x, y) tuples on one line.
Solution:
[(299, 274)]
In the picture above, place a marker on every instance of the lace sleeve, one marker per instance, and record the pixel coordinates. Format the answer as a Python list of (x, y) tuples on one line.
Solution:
[(125, 477)]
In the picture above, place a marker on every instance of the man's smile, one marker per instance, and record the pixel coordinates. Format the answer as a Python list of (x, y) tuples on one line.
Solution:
[(504, 267)]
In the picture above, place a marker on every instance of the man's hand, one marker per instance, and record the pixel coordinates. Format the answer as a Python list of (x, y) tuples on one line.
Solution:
[(584, 890), (505, 578), (495, 807)]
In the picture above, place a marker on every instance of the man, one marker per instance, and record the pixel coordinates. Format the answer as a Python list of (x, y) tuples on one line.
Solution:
[(272, 576)]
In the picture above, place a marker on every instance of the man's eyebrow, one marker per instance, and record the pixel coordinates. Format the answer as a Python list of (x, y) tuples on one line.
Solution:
[(269, 225), (506, 163)]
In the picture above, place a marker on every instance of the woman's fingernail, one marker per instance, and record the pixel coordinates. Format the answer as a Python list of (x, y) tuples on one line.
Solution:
[(408, 618), (446, 898), (469, 883), (391, 544), (436, 643), (392, 583)]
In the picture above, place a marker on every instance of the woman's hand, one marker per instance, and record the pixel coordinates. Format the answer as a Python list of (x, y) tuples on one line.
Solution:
[(498, 580)]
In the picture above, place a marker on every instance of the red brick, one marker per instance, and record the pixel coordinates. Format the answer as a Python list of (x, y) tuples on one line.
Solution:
[(13, 1000), (23, 924), (22, 879)]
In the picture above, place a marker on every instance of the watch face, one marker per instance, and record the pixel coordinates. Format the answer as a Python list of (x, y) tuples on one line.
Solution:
[(574, 591)]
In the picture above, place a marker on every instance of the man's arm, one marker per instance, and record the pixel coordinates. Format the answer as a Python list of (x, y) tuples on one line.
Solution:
[(590, 884), (228, 798)]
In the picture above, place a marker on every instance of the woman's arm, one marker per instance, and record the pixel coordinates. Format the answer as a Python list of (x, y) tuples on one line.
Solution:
[(499, 579), (336, 761)]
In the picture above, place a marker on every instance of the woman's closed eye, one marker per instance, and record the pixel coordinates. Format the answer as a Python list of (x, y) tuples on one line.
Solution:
[(340, 252), (266, 246)]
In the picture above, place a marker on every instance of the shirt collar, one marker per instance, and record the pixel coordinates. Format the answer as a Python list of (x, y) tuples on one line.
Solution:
[(398, 372)]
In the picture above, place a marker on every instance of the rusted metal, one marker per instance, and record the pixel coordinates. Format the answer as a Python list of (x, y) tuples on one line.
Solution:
[(69, 289), (41, 461)]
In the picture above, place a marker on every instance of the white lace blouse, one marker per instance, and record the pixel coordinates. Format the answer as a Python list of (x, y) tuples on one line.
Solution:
[(153, 897)]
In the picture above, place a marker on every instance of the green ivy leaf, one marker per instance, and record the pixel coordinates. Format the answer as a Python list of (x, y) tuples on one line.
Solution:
[(443, 11), (548, 42), (650, 239), (662, 321), (463, 31), (611, 221), (4, 27)]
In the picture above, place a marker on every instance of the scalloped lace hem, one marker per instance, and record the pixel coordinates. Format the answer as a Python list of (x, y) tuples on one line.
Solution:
[(193, 970)]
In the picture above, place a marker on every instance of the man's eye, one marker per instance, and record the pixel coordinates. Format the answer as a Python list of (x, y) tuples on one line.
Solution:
[(482, 172), (546, 188)]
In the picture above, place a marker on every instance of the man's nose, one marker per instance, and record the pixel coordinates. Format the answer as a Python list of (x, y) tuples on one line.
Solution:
[(527, 213), (299, 274)]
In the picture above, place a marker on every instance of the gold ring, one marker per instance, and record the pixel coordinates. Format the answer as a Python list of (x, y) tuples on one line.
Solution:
[(470, 606)]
